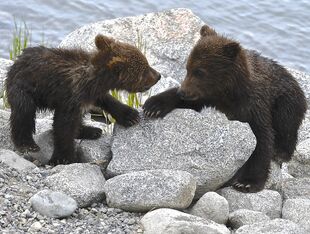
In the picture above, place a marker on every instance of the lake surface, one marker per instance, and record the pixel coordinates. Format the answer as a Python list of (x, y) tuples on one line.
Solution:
[(279, 29)]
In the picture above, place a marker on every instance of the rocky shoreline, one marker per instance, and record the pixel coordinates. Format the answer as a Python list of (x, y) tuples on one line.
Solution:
[(160, 176)]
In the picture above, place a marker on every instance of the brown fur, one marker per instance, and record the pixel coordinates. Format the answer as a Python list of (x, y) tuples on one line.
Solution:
[(244, 86), (70, 81)]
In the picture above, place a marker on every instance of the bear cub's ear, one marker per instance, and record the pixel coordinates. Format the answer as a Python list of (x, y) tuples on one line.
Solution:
[(207, 31), (232, 49), (104, 43)]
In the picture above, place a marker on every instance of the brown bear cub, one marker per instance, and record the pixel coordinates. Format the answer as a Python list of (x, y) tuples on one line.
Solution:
[(245, 86), (70, 81)]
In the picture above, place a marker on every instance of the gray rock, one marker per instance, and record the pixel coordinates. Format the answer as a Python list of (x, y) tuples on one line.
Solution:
[(276, 226), (298, 211), (296, 188), (88, 150), (164, 221), (266, 201), (4, 65), (169, 36), (15, 161), (95, 150), (53, 204), (243, 217), (144, 190), (81, 181), (300, 165), (206, 145), (212, 206)]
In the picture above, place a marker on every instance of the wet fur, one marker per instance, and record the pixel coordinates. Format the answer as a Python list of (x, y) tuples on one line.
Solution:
[(69, 81), (245, 86)]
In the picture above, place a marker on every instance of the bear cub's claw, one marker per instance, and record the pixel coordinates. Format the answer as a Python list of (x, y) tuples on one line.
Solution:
[(129, 117), (156, 107)]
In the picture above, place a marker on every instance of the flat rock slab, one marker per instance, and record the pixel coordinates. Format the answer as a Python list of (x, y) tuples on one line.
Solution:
[(298, 211), (211, 206), (296, 188), (206, 145), (81, 181), (53, 204), (144, 190), (266, 201), (15, 161), (243, 217), (276, 226), (164, 221)]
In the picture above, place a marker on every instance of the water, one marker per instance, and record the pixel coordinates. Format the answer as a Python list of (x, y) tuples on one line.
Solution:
[(279, 29)]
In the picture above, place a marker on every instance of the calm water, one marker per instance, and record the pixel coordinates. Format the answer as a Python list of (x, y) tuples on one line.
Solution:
[(279, 29)]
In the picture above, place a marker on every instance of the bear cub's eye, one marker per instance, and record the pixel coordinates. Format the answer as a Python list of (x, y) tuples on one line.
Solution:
[(199, 73)]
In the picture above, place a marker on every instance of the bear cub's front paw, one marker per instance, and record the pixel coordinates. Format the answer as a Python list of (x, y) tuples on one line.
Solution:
[(128, 117), (157, 107)]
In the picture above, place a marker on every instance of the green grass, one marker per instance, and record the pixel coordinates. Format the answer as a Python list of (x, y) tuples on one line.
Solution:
[(21, 39)]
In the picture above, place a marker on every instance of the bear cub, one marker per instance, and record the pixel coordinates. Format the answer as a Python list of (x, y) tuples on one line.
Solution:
[(70, 82), (247, 87)]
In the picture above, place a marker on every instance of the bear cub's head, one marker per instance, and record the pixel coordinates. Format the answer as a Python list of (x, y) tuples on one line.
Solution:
[(215, 68), (127, 67)]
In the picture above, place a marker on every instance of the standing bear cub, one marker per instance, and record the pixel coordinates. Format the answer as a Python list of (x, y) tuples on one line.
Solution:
[(70, 81), (245, 86)]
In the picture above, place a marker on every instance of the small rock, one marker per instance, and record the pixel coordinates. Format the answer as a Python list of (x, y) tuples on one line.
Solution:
[(145, 190), (276, 226), (36, 226), (212, 206), (275, 178), (296, 188), (53, 204), (243, 217), (266, 201), (298, 211), (164, 221), (15, 161), (81, 181)]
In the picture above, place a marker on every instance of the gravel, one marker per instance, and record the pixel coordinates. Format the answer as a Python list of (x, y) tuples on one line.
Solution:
[(17, 216)]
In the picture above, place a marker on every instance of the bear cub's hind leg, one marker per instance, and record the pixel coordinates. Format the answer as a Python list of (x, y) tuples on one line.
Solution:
[(23, 112), (65, 128)]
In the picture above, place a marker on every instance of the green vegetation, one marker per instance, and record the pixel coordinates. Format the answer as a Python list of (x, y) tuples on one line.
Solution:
[(20, 40)]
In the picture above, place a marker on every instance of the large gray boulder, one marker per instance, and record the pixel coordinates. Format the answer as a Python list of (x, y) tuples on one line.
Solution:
[(164, 221), (142, 191), (211, 206), (275, 226), (296, 188), (266, 201), (81, 181), (167, 38), (206, 145)]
